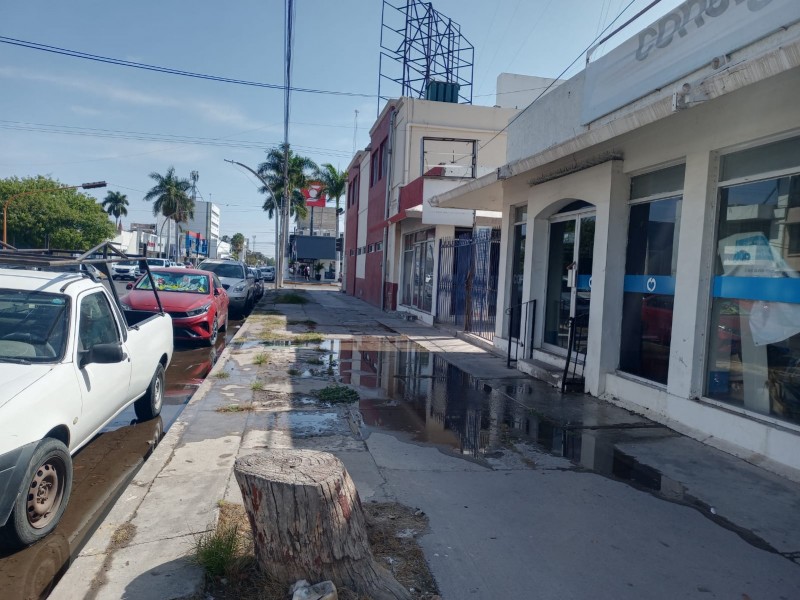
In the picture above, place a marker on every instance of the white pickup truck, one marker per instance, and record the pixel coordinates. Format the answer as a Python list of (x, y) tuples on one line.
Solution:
[(70, 361)]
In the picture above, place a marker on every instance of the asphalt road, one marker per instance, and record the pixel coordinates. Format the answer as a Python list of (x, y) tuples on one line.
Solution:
[(102, 470)]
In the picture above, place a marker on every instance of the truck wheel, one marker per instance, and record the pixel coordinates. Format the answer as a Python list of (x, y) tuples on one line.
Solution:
[(149, 406), (42, 500)]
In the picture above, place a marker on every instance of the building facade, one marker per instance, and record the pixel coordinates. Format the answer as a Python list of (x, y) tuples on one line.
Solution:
[(653, 233), (418, 149)]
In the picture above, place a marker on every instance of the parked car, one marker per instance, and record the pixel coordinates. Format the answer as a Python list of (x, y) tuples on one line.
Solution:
[(239, 284), (126, 269), (258, 283), (69, 364), (159, 262), (196, 301), (269, 273)]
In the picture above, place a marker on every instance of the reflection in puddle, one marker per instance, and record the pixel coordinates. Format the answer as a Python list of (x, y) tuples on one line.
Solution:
[(406, 389)]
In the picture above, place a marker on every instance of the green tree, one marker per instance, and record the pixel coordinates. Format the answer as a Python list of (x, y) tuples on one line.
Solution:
[(334, 183), (301, 170), (63, 219), (237, 244), (115, 204), (171, 200)]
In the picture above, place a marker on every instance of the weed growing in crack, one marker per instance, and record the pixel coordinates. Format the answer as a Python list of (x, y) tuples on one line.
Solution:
[(257, 386), (222, 374)]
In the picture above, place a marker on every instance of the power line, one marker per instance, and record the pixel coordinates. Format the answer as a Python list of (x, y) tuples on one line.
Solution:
[(577, 58), (167, 70)]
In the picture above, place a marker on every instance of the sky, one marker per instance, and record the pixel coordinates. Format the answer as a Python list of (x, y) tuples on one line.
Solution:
[(79, 120)]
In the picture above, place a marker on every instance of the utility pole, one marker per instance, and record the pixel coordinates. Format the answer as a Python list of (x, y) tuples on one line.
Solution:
[(286, 105)]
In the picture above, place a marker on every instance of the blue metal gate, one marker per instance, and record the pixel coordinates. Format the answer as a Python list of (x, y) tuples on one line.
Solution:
[(467, 284)]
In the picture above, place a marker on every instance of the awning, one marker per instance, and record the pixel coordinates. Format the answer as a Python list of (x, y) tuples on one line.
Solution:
[(484, 193)]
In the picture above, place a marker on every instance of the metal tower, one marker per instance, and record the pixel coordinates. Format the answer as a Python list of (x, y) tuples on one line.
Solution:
[(420, 45)]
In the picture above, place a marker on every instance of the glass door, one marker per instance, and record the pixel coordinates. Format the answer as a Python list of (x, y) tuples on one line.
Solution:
[(569, 279)]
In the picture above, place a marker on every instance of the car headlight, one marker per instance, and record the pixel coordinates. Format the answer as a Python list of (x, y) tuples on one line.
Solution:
[(240, 287), (198, 311)]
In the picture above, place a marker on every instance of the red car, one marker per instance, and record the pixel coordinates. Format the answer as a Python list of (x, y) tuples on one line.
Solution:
[(195, 299)]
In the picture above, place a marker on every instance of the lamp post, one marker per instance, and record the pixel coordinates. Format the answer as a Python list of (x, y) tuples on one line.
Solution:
[(275, 199), (85, 186)]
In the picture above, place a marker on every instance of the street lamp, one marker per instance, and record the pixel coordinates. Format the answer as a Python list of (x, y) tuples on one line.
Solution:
[(278, 262), (85, 186)]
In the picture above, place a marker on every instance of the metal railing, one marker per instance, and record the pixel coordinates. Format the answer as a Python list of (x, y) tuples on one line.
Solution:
[(576, 352), (521, 323)]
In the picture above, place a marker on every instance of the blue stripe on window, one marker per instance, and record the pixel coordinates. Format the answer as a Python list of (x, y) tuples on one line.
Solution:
[(584, 283), (768, 289), (650, 284)]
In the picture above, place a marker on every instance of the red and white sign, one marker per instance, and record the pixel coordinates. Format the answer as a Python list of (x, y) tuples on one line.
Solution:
[(313, 195)]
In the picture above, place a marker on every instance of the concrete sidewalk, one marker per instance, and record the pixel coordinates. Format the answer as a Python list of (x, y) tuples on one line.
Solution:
[(639, 512)]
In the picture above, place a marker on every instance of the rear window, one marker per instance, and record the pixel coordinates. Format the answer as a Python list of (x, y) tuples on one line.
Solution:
[(230, 270)]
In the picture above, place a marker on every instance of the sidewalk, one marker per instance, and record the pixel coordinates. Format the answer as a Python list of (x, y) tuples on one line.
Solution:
[(638, 512)]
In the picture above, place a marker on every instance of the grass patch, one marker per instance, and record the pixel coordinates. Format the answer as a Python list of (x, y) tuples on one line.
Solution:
[(227, 550), (257, 386), (307, 338), (336, 393), (222, 375), (315, 361), (261, 359), (293, 372), (234, 408), (290, 298), (122, 535), (310, 323)]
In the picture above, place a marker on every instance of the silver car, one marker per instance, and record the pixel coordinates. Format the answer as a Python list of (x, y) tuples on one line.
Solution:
[(237, 281)]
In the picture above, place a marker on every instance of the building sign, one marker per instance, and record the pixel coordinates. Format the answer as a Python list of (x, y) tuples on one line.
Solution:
[(685, 39), (313, 195)]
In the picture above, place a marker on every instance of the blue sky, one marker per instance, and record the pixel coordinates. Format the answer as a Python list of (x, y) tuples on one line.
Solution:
[(51, 103)]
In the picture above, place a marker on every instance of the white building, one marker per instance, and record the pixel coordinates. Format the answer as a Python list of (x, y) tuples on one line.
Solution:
[(652, 202), (206, 220)]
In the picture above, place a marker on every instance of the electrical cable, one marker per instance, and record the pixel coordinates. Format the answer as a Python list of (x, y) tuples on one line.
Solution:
[(577, 58), (167, 70)]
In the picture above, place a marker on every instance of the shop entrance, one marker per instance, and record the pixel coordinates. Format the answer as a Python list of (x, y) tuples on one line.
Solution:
[(569, 276)]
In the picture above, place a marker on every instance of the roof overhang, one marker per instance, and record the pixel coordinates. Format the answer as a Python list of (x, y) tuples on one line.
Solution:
[(483, 193)]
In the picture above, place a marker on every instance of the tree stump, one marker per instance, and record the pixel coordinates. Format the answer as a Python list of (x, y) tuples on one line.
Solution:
[(308, 522)]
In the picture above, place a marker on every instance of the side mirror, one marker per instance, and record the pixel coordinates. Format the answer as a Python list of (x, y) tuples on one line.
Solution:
[(217, 292), (103, 354), (129, 286)]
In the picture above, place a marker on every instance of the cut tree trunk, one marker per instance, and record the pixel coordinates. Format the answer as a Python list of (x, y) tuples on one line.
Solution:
[(308, 522)]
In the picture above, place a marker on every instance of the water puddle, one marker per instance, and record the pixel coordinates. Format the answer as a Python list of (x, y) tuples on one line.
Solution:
[(424, 399)]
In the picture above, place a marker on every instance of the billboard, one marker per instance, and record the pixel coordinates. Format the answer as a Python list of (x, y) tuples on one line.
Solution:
[(313, 194), (685, 39), (314, 247)]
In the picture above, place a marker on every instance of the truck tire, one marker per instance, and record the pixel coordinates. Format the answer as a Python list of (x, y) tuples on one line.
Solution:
[(43, 495), (149, 406)]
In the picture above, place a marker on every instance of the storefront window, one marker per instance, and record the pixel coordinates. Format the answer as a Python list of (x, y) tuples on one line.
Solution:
[(754, 338), (650, 269), (418, 270)]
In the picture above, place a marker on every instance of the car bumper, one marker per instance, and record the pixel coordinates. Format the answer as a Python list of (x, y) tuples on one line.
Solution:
[(192, 328), (12, 469)]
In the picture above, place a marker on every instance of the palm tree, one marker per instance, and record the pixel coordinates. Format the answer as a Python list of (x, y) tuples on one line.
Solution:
[(171, 200), (333, 183), (115, 203), (300, 171)]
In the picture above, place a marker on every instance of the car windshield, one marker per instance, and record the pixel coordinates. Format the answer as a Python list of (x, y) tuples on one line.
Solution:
[(33, 326), (175, 282), (128, 263), (231, 270)]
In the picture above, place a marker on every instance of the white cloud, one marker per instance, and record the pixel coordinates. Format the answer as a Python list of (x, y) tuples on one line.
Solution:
[(212, 112)]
